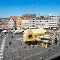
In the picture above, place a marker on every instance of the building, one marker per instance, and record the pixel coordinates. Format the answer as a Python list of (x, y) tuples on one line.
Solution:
[(25, 24), (14, 17), (53, 21), (42, 23), (50, 21), (32, 15), (59, 21), (4, 23), (26, 16), (32, 23), (11, 24), (19, 23), (51, 16), (29, 23)]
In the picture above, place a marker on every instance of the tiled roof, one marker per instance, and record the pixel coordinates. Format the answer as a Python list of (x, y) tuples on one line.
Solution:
[(14, 17)]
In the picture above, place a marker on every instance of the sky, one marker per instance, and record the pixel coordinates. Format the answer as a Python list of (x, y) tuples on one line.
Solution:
[(19, 7)]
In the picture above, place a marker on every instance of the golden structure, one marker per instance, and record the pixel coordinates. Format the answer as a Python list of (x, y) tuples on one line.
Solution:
[(33, 34)]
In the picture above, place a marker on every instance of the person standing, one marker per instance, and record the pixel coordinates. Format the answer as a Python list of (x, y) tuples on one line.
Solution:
[(53, 48), (49, 49), (55, 40), (12, 36)]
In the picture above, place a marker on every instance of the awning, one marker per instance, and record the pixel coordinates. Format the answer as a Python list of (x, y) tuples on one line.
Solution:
[(4, 31), (46, 36), (38, 39)]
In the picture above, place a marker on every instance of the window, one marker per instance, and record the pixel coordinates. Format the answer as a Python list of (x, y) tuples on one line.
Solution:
[(46, 21), (33, 25), (30, 36), (50, 18), (33, 21)]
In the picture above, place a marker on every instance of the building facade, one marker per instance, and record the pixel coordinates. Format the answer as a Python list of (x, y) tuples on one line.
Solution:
[(42, 23), (19, 23), (25, 24), (33, 21), (11, 24), (4, 23), (53, 21), (26, 16)]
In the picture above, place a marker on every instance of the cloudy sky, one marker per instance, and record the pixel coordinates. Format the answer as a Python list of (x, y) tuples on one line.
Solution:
[(18, 7)]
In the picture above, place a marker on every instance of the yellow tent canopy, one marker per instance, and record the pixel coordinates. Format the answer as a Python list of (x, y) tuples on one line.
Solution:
[(31, 33), (28, 36), (38, 31)]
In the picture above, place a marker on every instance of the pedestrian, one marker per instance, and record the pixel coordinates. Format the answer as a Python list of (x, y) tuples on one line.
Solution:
[(24, 46), (21, 43), (49, 49), (12, 36), (55, 40), (53, 48), (6, 46), (9, 43)]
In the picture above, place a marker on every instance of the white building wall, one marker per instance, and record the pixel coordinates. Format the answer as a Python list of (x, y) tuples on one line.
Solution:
[(25, 23), (42, 23), (39, 23), (32, 23), (11, 24), (29, 23), (53, 23)]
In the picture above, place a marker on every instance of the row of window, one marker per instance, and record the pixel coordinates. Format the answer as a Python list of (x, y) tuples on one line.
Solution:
[(32, 21), (44, 21), (32, 26), (41, 21), (40, 24), (38, 21), (52, 23)]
